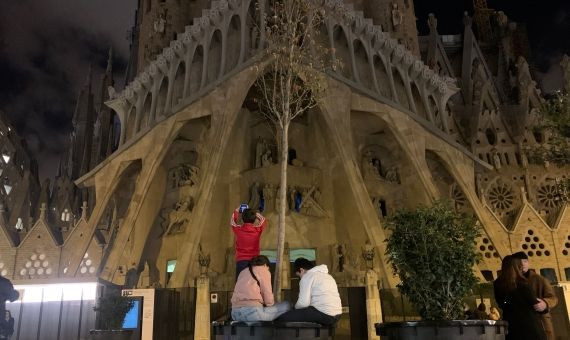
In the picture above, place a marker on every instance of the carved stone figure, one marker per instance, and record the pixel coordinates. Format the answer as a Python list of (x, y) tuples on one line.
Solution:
[(392, 175), (159, 24), (203, 261), (266, 159), (269, 197), (432, 22), (369, 171), (260, 148), (496, 159), (340, 257), (309, 205), (188, 175), (396, 16), (254, 198), (179, 216)]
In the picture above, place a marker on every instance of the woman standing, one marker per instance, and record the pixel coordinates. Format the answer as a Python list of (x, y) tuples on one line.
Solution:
[(253, 298), (515, 298)]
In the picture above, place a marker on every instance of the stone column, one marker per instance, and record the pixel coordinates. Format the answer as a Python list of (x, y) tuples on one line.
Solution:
[(373, 310), (202, 318)]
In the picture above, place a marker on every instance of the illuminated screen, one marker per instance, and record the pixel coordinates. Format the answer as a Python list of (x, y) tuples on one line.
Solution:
[(131, 320), (170, 265)]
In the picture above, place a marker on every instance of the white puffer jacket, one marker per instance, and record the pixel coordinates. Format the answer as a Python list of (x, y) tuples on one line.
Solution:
[(318, 289)]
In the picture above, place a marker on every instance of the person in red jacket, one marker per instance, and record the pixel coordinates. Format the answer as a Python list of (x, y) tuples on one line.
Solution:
[(247, 236)]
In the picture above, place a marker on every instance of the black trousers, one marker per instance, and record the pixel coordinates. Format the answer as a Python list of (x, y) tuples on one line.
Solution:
[(241, 265), (309, 314)]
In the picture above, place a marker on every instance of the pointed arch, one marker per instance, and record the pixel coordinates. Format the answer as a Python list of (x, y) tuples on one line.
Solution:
[(382, 79), (401, 89), (178, 85), (161, 99), (342, 52), (214, 61), (145, 113), (363, 65), (233, 43)]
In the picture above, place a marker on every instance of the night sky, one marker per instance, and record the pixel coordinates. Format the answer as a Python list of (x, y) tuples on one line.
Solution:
[(46, 47)]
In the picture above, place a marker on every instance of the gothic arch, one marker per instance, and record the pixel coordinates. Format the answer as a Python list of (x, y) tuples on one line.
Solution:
[(178, 85), (215, 56), (233, 43), (362, 62), (342, 52), (161, 97)]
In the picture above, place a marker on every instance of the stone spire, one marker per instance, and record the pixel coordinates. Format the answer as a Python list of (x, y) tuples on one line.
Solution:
[(566, 72)]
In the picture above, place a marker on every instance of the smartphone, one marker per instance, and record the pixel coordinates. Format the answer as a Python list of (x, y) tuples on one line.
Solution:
[(242, 207)]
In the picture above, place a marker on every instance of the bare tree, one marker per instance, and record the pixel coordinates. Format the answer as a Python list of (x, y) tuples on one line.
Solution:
[(290, 85)]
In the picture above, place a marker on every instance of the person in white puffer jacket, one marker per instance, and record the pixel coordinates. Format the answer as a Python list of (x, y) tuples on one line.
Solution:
[(319, 300)]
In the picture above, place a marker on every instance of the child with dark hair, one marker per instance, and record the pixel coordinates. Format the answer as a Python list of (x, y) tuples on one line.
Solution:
[(247, 236), (319, 300), (253, 299)]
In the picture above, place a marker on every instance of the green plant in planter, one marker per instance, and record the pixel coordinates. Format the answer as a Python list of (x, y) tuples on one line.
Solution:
[(112, 309), (432, 250)]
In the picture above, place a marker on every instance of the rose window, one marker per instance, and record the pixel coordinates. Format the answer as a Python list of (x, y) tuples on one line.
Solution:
[(501, 197), (457, 196), (547, 196)]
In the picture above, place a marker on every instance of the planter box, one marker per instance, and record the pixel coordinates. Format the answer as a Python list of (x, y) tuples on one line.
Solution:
[(443, 330), (116, 334)]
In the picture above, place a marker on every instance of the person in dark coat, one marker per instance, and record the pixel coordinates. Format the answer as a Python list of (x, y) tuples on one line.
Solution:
[(517, 301), (7, 293), (544, 292)]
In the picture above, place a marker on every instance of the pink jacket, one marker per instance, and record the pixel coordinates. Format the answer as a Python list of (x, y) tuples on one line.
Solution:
[(247, 293)]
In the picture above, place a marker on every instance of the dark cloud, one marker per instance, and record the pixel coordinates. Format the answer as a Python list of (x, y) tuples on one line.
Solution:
[(46, 49)]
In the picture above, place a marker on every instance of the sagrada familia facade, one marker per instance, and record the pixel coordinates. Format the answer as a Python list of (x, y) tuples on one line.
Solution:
[(154, 170)]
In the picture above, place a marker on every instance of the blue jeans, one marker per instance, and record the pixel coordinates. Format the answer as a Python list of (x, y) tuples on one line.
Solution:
[(260, 313)]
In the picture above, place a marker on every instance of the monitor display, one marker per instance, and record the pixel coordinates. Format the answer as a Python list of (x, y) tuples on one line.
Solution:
[(132, 318)]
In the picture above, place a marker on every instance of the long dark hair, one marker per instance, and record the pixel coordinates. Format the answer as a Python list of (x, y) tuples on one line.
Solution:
[(511, 274)]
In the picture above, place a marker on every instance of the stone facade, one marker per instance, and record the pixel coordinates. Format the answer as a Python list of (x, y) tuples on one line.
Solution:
[(405, 121)]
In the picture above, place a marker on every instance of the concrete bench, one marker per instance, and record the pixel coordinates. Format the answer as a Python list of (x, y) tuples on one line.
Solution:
[(226, 330)]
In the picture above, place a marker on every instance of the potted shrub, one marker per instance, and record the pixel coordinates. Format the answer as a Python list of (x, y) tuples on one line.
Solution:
[(112, 309), (432, 250)]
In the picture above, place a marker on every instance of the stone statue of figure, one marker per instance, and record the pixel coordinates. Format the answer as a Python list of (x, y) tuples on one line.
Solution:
[(496, 159), (268, 196), (254, 198), (566, 72), (368, 168), (396, 16), (266, 159), (260, 148), (392, 175), (432, 22), (179, 215), (159, 24), (340, 258), (377, 167)]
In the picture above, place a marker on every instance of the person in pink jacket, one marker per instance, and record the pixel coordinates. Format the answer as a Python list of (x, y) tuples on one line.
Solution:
[(252, 299)]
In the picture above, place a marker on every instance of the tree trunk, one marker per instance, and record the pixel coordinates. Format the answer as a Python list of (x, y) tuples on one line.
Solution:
[(282, 212)]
